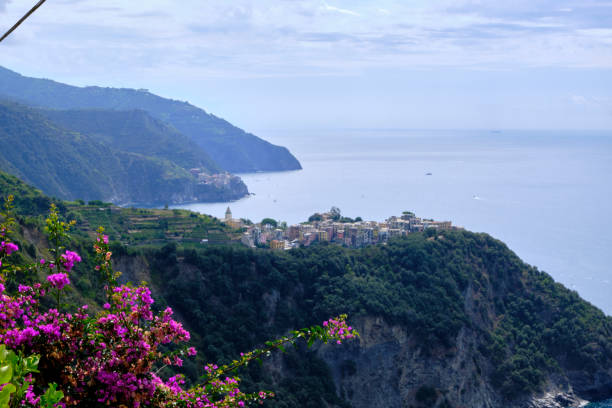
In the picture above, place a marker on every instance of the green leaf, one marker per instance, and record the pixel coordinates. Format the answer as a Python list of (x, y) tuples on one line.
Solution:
[(51, 397), (311, 341), (6, 373), (31, 364), (5, 395)]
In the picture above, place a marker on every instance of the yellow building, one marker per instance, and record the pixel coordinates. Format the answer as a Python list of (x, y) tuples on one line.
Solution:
[(277, 245)]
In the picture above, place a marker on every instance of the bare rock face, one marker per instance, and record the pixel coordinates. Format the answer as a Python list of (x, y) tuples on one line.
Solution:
[(386, 367)]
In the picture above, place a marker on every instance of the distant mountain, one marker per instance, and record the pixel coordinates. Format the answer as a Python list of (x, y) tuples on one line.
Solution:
[(135, 131), (72, 165), (230, 147)]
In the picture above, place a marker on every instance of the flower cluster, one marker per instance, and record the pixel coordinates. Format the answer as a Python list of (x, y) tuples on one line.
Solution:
[(68, 260), (8, 248), (337, 329), (58, 280), (112, 358)]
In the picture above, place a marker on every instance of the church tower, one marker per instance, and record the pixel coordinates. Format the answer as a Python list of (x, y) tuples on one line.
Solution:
[(228, 214)]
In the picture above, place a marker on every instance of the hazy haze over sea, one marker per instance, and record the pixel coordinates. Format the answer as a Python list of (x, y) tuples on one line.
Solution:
[(546, 194)]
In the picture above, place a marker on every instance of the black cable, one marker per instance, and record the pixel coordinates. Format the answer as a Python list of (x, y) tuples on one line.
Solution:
[(17, 24)]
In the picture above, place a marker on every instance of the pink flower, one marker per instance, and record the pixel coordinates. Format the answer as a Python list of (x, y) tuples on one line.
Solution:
[(58, 280), (105, 239), (42, 261), (69, 258), (8, 247)]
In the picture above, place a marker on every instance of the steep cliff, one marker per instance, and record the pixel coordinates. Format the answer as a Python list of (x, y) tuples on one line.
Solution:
[(447, 320)]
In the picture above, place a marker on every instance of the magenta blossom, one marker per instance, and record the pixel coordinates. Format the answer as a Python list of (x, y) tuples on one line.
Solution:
[(58, 280), (8, 247), (69, 258)]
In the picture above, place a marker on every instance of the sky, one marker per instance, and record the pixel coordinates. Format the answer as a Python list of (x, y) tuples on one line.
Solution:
[(335, 64)]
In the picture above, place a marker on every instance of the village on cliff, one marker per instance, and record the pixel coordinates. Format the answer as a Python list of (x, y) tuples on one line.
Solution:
[(331, 227)]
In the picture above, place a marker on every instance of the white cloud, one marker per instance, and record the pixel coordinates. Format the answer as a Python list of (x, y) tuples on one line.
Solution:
[(339, 10), (245, 38)]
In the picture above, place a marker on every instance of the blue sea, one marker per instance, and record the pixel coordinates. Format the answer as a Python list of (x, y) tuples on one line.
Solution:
[(547, 194), (603, 404)]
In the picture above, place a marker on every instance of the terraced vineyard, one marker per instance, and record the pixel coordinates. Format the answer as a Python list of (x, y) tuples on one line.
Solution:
[(136, 226)]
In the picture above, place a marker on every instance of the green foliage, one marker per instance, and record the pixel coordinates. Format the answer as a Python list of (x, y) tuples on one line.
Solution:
[(315, 217), (14, 372), (232, 149), (269, 221), (63, 164), (135, 131), (422, 282), (433, 284), (51, 397)]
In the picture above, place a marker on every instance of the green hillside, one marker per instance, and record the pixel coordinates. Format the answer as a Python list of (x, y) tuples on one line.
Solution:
[(231, 148), (135, 131), (128, 226), (71, 165), (447, 319)]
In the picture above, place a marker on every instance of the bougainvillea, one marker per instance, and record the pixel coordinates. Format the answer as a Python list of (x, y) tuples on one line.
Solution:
[(111, 358)]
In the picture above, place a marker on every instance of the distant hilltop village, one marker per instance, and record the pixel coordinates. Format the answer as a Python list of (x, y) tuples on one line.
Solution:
[(218, 180), (331, 227)]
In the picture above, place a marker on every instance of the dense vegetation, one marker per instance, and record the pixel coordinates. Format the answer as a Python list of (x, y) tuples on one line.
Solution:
[(60, 163), (230, 147), (530, 327), (106, 345), (135, 131), (434, 285)]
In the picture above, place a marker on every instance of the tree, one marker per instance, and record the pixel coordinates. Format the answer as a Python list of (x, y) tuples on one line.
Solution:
[(335, 213), (269, 221), (315, 217)]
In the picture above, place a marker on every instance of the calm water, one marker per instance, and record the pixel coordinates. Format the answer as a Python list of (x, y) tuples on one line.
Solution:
[(603, 404), (546, 194)]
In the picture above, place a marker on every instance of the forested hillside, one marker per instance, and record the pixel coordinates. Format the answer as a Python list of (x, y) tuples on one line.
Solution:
[(135, 131), (71, 165), (447, 319), (231, 148)]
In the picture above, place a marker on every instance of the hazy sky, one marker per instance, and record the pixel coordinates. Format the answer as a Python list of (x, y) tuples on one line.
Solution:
[(287, 64)]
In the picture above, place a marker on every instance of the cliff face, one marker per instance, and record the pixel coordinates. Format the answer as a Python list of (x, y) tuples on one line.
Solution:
[(391, 370), (387, 368), (449, 319)]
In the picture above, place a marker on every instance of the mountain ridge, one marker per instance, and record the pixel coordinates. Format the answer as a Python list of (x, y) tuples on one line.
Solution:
[(72, 165), (231, 148)]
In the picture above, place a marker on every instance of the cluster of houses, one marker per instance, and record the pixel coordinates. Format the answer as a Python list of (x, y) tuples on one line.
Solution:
[(218, 180), (330, 227)]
